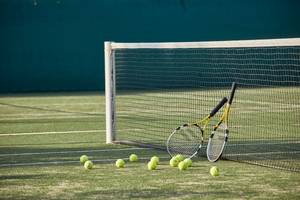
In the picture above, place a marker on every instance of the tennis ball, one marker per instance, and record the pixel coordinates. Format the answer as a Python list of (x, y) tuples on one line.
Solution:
[(179, 157), (120, 163), (188, 161), (152, 165), (182, 166), (88, 164), (174, 162), (214, 171), (155, 159), (83, 159), (133, 158)]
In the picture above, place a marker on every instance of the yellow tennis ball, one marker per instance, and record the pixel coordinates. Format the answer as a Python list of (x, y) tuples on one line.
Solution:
[(120, 163), (152, 165), (179, 157), (133, 158), (214, 171), (88, 164), (155, 159), (188, 161), (182, 166), (83, 159), (174, 162)]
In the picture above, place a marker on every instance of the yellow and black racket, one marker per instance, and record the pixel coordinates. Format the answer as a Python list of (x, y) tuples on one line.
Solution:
[(187, 139), (220, 132)]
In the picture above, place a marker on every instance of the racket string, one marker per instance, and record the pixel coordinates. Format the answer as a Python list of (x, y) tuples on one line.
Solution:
[(216, 144), (186, 141)]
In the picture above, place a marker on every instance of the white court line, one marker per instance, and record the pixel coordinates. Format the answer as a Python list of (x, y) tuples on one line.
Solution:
[(49, 105), (149, 113), (67, 152), (36, 163), (266, 153), (61, 132), (48, 133), (57, 117), (260, 144), (46, 114), (74, 116), (259, 125), (268, 103), (66, 104), (71, 152)]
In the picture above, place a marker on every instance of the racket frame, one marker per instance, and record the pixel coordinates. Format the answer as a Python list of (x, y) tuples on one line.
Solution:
[(223, 121)]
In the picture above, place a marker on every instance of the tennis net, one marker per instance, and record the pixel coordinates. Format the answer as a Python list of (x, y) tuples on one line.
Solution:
[(151, 88)]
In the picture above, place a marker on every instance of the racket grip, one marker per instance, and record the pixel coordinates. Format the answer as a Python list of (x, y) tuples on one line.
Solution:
[(217, 108), (233, 87)]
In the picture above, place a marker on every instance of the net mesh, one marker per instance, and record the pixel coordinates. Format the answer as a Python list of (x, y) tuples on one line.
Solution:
[(159, 89)]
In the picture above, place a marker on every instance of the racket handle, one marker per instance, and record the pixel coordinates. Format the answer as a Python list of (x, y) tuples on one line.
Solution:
[(217, 108), (233, 87)]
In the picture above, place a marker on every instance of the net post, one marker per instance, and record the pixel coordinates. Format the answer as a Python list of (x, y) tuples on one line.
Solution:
[(110, 91)]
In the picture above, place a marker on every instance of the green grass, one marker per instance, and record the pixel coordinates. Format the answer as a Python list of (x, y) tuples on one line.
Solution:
[(42, 137)]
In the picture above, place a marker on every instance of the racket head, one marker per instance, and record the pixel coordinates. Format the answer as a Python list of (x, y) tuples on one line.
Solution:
[(186, 140), (216, 143)]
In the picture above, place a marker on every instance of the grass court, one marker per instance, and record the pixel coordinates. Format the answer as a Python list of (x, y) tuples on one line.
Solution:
[(42, 137)]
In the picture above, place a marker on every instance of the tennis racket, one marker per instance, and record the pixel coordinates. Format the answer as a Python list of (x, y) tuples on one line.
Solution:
[(219, 134), (187, 139)]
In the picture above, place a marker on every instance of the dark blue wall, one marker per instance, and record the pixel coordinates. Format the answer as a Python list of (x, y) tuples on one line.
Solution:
[(57, 45)]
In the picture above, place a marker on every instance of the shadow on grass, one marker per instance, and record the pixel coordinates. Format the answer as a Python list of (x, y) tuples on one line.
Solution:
[(106, 154), (21, 176), (13, 147), (51, 155), (162, 193)]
